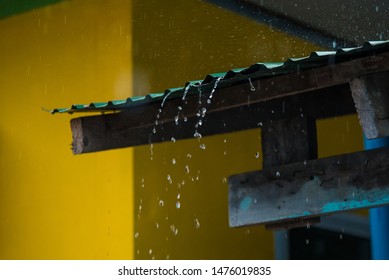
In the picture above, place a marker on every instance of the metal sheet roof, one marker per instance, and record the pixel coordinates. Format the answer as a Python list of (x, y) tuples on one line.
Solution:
[(235, 76)]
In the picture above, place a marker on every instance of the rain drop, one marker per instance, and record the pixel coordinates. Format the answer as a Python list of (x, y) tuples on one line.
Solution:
[(197, 223), (251, 85), (178, 205), (173, 161)]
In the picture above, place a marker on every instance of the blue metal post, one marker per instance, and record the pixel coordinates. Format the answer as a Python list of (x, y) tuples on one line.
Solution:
[(379, 217)]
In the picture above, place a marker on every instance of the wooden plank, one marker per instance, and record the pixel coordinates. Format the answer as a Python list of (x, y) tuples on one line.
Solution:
[(289, 140), (126, 129), (310, 189), (371, 96)]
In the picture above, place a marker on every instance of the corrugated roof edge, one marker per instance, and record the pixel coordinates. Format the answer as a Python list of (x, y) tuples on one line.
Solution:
[(234, 76)]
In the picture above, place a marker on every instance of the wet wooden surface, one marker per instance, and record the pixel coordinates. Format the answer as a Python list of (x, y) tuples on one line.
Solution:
[(310, 189)]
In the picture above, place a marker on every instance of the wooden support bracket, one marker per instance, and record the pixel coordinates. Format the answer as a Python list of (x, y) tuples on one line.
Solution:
[(310, 189), (371, 96)]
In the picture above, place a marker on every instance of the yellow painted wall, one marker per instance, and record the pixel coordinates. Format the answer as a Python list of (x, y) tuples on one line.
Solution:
[(54, 205)]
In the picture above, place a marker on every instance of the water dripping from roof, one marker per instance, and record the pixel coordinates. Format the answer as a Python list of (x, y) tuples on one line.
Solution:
[(251, 85), (209, 101)]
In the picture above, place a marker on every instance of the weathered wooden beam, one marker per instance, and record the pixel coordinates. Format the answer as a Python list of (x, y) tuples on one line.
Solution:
[(310, 189), (132, 128), (289, 140), (371, 96)]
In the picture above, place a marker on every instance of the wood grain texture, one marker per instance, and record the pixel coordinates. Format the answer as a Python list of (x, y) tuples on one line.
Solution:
[(310, 189)]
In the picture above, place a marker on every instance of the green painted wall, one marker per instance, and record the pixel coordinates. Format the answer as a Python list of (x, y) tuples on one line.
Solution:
[(12, 7)]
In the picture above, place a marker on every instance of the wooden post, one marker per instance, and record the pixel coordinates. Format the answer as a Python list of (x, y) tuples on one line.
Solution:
[(371, 96)]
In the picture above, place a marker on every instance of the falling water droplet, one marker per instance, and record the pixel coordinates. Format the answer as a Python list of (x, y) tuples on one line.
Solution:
[(185, 92), (214, 88), (187, 169), (209, 101), (341, 236), (197, 223), (154, 130), (203, 146), (136, 235), (307, 241), (178, 196), (157, 225), (161, 203), (169, 178), (173, 139), (257, 155), (173, 161), (197, 135), (278, 174), (176, 120), (251, 85), (150, 251), (179, 108), (164, 99), (189, 156), (224, 180), (173, 229), (178, 205)]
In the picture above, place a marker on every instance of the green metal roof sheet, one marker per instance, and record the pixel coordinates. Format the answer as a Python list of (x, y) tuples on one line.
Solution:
[(236, 76)]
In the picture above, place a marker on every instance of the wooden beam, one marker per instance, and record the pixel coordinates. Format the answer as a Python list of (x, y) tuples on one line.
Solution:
[(310, 189), (133, 128), (289, 140), (371, 96)]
